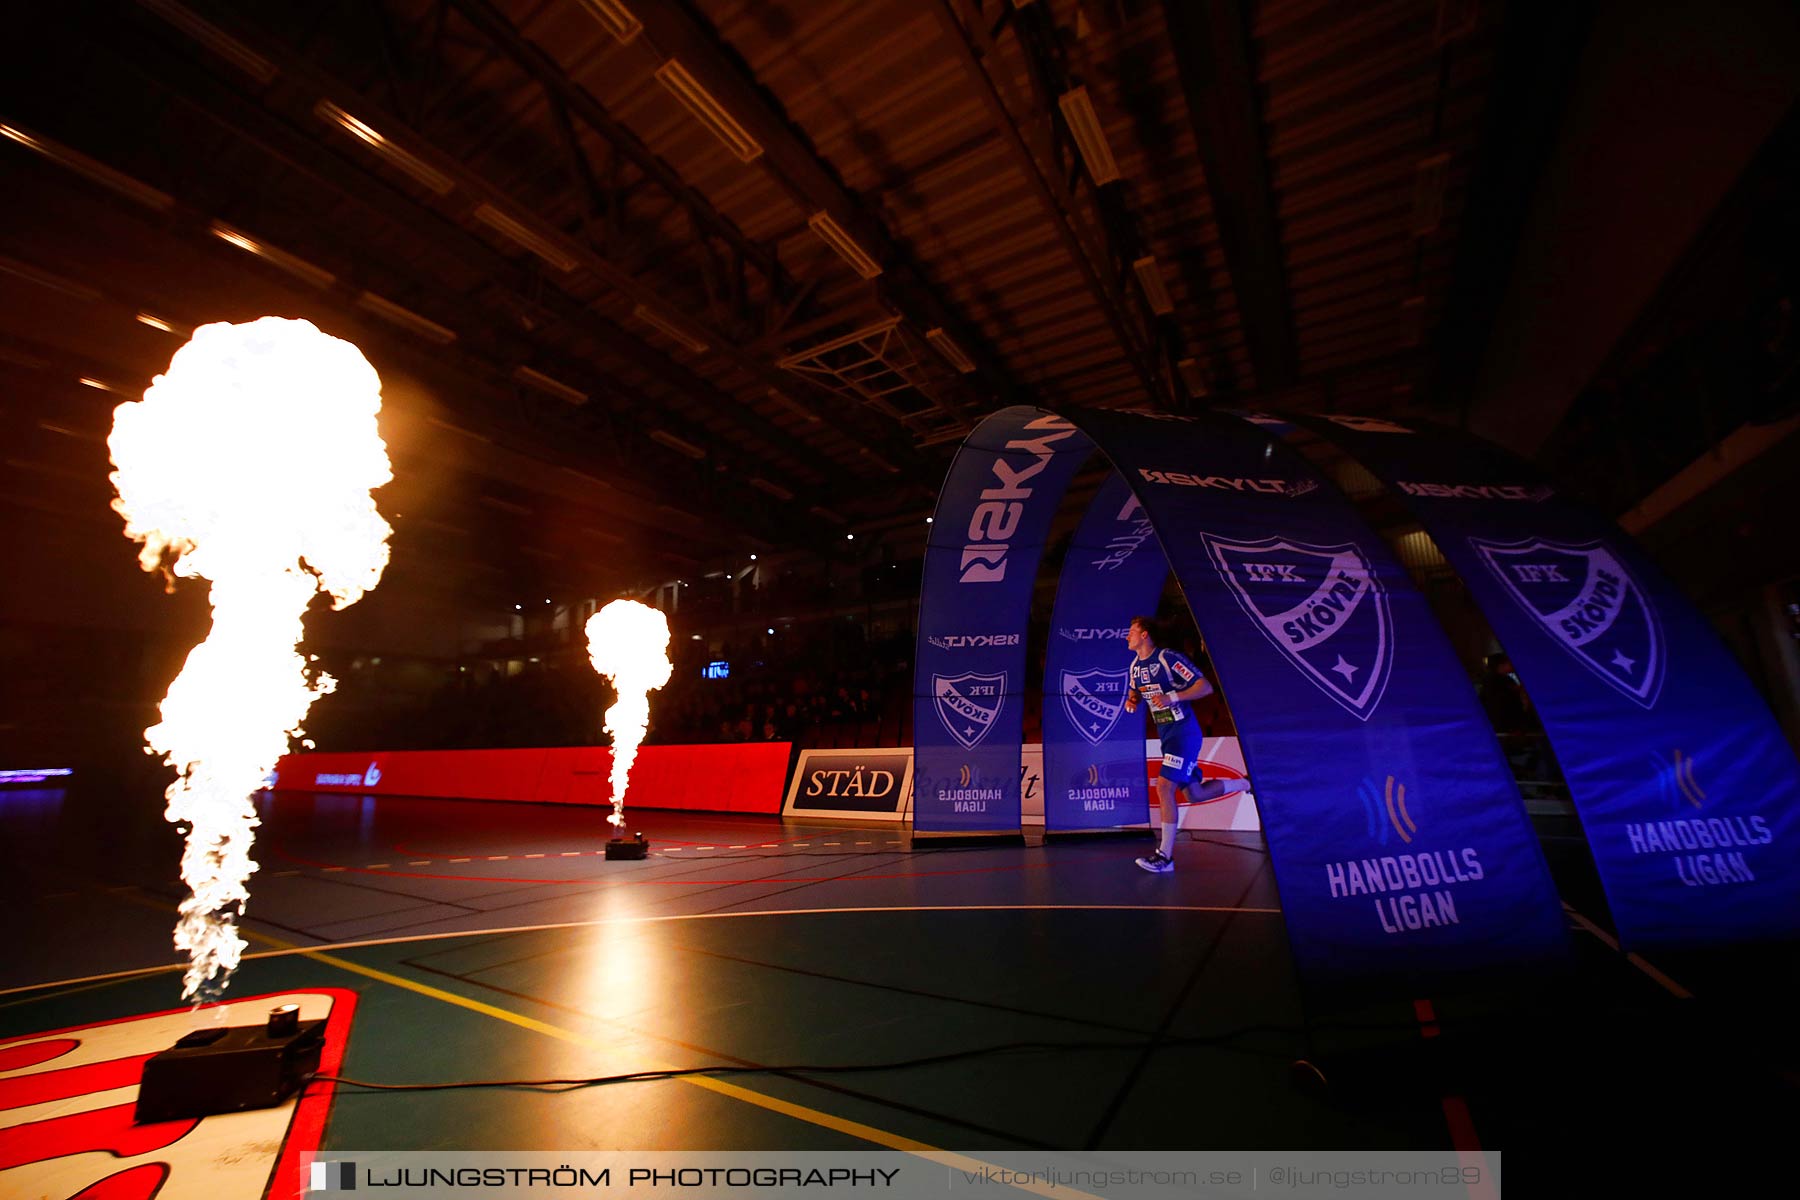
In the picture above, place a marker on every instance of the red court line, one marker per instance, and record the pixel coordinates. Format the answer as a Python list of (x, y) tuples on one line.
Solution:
[(612, 883), (1457, 1119), (399, 848)]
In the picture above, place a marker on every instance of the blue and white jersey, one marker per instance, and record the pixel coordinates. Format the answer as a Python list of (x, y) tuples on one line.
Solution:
[(1166, 671)]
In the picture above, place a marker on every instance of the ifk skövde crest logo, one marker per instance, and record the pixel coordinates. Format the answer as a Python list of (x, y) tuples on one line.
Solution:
[(1321, 606), (1585, 600), (967, 704)]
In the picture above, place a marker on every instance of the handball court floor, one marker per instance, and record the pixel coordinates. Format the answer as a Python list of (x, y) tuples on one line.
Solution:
[(493, 941)]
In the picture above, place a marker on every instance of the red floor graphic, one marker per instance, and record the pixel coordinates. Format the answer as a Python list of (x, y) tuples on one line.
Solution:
[(67, 1099)]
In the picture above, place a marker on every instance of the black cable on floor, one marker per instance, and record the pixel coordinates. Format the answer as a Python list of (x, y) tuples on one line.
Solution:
[(848, 1068)]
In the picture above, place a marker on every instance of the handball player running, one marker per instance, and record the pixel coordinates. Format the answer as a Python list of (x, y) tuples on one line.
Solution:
[(1169, 682)]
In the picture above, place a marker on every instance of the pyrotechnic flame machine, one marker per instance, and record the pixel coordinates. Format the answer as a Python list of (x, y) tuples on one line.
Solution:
[(628, 643), (248, 463), (231, 1068)]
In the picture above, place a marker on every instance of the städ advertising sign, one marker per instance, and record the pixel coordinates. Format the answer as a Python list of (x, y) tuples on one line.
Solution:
[(866, 785)]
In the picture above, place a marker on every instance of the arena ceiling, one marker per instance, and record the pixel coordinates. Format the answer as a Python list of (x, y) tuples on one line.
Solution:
[(653, 284)]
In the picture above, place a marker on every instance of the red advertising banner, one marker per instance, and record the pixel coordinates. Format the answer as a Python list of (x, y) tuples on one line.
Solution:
[(749, 777)]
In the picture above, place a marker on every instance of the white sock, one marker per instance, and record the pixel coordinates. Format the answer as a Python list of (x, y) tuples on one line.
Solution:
[(1168, 838)]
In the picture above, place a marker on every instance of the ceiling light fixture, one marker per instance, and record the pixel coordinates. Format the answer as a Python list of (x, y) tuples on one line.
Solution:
[(420, 170), (156, 322), (615, 18), (46, 279), (794, 406), (430, 330), (707, 110), (828, 514), (834, 235), (319, 277), (774, 489), (214, 39), (1090, 138), (953, 354), (81, 164), (879, 461), (1412, 319), (1151, 280), (554, 387), (656, 320), (1429, 183), (104, 386), (679, 445), (523, 235), (1193, 377)]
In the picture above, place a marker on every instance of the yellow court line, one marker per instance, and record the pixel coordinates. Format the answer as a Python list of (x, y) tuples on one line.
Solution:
[(1642, 964), (799, 1112), (643, 919)]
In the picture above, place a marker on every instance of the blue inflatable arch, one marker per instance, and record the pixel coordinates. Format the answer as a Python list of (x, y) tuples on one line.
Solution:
[(1398, 839), (1688, 792)]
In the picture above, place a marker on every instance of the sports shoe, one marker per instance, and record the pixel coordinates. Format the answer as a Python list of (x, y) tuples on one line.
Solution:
[(1157, 863)]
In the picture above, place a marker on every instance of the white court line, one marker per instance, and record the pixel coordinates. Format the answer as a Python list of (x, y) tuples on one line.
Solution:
[(1669, 985), (658, 919)]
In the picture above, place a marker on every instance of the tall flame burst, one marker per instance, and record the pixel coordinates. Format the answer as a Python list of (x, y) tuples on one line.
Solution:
[(628, 643), (249, 463)]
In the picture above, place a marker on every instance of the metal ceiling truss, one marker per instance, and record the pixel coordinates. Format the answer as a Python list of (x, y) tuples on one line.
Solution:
[(726, 254), (295, 83), (568, 102), (972, 43), (1535, 59), (889, 368), (1115, 228), (520, 286), (500, 411), (1211, 43), (790, 160), (527, 287)]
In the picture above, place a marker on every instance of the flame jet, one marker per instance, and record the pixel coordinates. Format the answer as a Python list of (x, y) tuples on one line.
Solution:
[(249, 463), (628, 643)]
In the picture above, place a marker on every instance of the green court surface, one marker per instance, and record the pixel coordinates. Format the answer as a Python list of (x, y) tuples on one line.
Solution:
[(1102, 1007)]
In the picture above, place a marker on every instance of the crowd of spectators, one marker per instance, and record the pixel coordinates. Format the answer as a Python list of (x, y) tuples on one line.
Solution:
[(768, 699), (860, 692)]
